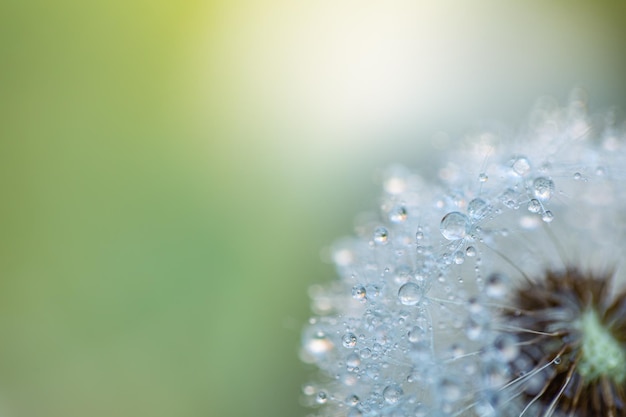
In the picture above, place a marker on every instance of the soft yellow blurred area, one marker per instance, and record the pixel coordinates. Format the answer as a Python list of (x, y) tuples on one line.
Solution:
[(171, 171)]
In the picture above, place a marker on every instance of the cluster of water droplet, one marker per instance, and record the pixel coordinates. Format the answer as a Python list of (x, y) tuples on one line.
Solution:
[(410, 328)]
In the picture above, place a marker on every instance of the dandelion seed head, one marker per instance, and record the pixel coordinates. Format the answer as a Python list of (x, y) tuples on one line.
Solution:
[(494, 289)]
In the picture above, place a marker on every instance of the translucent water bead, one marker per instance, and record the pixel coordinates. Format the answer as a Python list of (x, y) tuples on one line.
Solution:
[(521, 166), (410, 294), (543, 188), (455, 226), (381, 236)]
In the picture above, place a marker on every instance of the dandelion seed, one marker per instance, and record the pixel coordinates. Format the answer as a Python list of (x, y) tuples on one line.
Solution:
[(486, 298)]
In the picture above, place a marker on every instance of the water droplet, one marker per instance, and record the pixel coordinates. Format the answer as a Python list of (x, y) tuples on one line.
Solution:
[(506, 347), (416, 334), (392, 393), (470, 251), (419, 235), (459, 257), (521, 166), (321, 398), (577, 176), (449, 389), (474, 329), (352, 400), (381, 235), (402, 274), (454, 226), (496, 285), (398, 214), (557, 360), (547, 216), (410, 294), (509, 198), (317, 344), (365, 353), (534, 206), (477, 208), (482, 177), (543, 188), (358, 292), (349, 340), (353, 360)]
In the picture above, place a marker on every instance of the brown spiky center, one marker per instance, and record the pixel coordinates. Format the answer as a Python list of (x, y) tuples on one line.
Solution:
[(572, 340)]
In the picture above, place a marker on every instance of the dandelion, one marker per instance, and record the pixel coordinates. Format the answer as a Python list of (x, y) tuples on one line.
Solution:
[(496, 289)]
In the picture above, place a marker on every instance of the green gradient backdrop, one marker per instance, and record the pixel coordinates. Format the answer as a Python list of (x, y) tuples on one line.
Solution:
[(170, 172)]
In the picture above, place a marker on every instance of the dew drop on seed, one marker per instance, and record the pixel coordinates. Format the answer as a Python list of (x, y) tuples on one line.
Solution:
[(496, 285), (458, 257), (470, 251), (398, 214), (450, 390), (521, 166), (318, 344), (477, 208), (348, 340), (321, 398), (352, 400), (381, 236), (402, 274), (482, 177), (454, 226), (416, 334), (506, 347), (365, 353), (410, 294), (534, 206), (392, 393), (547, 216), (358, 292), (419, 235), (577, 176), (353, 360), (474, 329), (543, 188)]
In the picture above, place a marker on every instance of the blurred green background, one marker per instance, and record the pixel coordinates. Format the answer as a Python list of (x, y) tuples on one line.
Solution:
[(171, 170)]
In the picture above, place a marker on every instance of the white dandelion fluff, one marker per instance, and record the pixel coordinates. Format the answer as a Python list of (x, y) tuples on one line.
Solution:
[(495, 289)]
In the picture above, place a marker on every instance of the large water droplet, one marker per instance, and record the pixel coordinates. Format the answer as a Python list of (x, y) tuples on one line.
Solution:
[(454, 226), (543, 188), (392, 393), (521, 166), (410, 294)]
